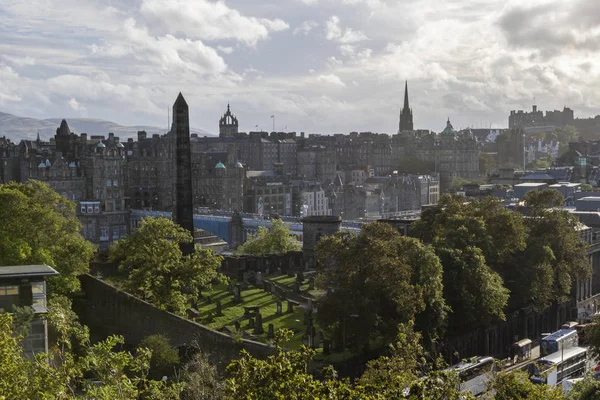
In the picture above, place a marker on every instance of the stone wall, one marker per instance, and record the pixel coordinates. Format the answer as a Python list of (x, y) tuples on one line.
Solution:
[(235, 266), (110, 311)]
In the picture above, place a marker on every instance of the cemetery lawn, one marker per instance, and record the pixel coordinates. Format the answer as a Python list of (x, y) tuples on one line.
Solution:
[(255, 297), (289, 282)]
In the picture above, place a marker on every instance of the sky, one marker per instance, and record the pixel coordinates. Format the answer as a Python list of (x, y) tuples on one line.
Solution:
[(318, 66)]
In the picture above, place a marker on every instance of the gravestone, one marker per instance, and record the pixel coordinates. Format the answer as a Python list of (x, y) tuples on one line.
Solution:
[(219, 308), (237, 294), (230, 287), (258, 326), (320, 337), (279, 309), (267, 270), (259, 281), (290, 273), (244, 286), (312, 337), (273, 289), (290, 307), (297, 287), (310, 305), (300, 277), (209, 299), (237, 325), (251, 323), (326, 347), (311, 283), (271, 332)]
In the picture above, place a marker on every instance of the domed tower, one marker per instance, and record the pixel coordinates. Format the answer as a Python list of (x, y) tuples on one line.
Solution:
[(228, 124)]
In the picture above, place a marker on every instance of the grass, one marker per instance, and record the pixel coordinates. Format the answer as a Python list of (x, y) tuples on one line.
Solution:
[(289, 283), (257, 297)]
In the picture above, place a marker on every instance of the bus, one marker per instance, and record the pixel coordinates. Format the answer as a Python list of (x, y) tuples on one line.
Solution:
[(558, 341), (560, 366), (474, 374)]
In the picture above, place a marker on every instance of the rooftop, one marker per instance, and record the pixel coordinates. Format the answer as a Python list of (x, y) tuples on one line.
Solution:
[(17, 271), (531, 184)]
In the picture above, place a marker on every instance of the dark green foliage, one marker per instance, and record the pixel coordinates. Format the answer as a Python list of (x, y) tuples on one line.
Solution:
[(164, 359), (377, 280)]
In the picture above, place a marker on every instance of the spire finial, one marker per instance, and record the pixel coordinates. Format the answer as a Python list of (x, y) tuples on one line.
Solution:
[(227, 106), (406, 105)]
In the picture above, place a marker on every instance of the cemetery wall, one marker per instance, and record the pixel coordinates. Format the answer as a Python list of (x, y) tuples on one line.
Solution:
[(107, 310)]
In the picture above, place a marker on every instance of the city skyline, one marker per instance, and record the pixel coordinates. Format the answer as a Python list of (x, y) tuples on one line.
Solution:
[(319, 66)]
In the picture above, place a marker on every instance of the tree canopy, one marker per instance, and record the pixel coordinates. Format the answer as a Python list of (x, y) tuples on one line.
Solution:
[(376, 280), (38, 226), (496, 259), (157, 272), (275, 240)]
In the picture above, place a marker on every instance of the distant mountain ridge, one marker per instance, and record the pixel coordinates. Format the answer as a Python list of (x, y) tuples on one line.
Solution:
[(18, 128)]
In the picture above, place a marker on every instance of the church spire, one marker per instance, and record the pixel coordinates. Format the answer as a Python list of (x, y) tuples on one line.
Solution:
[(406, 107), (406, 117)]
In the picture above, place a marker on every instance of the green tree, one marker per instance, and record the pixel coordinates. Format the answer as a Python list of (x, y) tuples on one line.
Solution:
[(62, 376), (275, 240), (555, 253), (586, 187), (486, 163), (38, 226), (156, 270), (202, 381), (586, 389), (377, 280), (283, 375), (517, 385), (164, 360)]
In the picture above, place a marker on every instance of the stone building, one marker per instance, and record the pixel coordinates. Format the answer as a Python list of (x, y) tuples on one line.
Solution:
[(452, 154), (266, 193), (149, 183), (535, 118), (9, 161), (218, 181)]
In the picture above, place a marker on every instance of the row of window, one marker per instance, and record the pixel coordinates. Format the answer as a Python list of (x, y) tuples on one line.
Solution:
[(13, 290)]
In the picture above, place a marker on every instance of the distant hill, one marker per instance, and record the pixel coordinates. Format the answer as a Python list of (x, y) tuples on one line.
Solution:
[(17, 128)]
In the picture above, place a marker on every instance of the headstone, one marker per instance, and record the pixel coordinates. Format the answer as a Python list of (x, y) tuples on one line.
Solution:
[(230, 287), (300, 277), (273, 289), (267, 270), (245, 278), (219, 308), (209, 299), (271, 332), (290, 273), (297, 287), (266, 286), (320, 337), (290, 307), (251, 323), (311, 283), (244, 286), (279, 309), (259, 278), (312, 337), (237, 295), (237, 325), (310, 305), (326, 347), (258, 326)]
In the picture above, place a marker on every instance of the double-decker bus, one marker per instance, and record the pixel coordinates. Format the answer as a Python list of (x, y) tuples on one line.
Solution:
[(558, 341), (560, 366), (474, 373)]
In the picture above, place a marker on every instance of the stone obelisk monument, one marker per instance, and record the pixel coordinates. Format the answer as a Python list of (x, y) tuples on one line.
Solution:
[(183, 206)]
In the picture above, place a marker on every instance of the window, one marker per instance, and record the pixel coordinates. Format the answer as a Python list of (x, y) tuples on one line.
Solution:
[(123, 231), (9, 290), (90, 209), (83, 209), (116, 182), (108, 183), (104, 233), (37, 288), (97, 208)]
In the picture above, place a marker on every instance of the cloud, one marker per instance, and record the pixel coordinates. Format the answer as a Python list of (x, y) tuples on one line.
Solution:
[(331, 79), (225, 49), (207, 20), (75, 105), (305, 27), (166, 51), (334, 31)]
